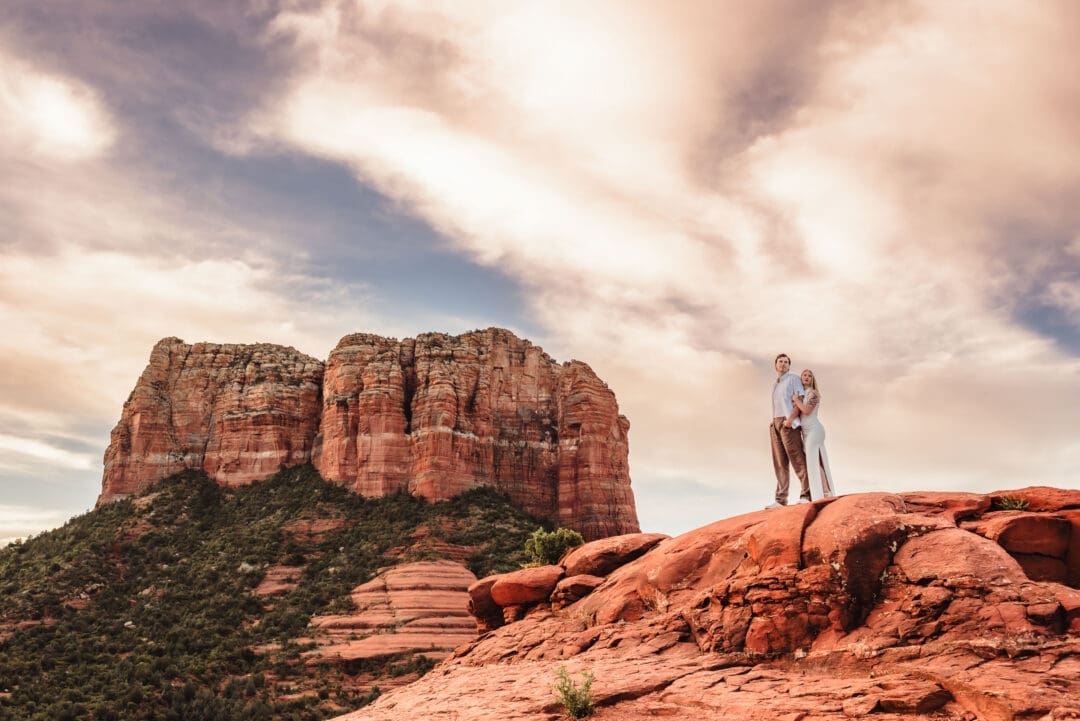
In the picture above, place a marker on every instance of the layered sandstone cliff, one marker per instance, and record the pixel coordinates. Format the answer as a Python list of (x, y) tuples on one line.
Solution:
[(438, 415), (434, 416), (239, 412)]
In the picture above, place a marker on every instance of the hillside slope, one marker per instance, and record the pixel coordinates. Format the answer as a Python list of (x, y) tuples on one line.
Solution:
[(194, 601)]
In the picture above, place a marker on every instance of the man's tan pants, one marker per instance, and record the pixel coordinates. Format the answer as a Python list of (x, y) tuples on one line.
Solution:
[(787, 447)]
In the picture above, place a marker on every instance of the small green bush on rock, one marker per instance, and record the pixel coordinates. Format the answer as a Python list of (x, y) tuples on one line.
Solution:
[(1012, 503), (543, 548), (576, 700)]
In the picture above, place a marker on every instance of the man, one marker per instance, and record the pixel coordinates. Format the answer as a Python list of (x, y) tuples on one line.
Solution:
[(786, 436)]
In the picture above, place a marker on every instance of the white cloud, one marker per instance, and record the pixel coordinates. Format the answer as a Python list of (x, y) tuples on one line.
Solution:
[(39, 450), (1066, 296), (20, 521), (91, 317), (50, 116), (855, 230)]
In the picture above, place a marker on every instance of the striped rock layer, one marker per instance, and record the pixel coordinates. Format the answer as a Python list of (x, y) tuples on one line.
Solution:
[(434, 415)]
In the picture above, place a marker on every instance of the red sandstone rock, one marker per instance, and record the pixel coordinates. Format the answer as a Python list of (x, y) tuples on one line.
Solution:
[(436, 415), (573, 588), (599, 558), (951, 555), (756, 617), (239, 412), (1069, 599), (313, 530), (1042, 568), (525, 587), (1042, 499), (953, 506), (1072, 555), (1025, 532), (488, 614), (278, 580), (439, 415), (416, 607), (857, 536), (721, 558)]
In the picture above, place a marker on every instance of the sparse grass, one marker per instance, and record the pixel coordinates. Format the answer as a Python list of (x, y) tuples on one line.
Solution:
[(577, 701), (1011, 503), (657, 601)]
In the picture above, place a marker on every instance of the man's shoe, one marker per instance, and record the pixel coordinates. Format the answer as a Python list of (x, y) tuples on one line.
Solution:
[(775, 504), (804, 500)]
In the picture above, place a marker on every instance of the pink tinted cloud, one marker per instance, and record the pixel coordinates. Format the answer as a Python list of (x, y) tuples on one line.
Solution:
[(684, 189)]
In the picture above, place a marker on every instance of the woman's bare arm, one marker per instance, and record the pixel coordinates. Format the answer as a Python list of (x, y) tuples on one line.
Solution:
[(805, 408)]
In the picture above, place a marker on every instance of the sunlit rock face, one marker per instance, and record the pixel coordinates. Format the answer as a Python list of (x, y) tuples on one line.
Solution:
[(438, 415), (434, 416), (239, 412), (878, 605)]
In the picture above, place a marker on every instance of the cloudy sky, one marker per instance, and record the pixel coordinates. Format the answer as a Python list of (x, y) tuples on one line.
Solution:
[(673, 192)]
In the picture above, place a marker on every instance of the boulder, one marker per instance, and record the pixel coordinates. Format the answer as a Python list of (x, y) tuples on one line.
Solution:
[(599, 558), (482, 606), (955, 557), (572, 589), (525, 587), (1072, 555), (857, 535)]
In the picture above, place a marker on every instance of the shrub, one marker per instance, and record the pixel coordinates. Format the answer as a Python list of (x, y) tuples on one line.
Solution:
[(543, 548), (1012, 503), (576, 700), (168, 567)]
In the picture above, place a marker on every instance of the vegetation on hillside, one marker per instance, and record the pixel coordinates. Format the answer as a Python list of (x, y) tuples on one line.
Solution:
[(143, 609)]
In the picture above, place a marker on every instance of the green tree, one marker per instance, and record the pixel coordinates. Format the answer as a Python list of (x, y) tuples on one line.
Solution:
[(545, 548)]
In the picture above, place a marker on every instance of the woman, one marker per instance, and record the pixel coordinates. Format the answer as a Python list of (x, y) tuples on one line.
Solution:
[(817, 460)]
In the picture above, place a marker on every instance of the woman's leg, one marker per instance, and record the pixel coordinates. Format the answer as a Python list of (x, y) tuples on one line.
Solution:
[(826, 473), (813, 439)]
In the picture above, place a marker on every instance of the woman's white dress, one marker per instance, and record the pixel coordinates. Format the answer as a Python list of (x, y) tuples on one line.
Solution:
[(817, 460)]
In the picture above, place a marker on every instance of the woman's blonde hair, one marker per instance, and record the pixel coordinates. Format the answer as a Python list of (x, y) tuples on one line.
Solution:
[(813, 380)]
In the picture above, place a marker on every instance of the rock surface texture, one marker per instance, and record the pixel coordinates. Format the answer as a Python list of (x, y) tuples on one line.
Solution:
[(434, 415), (415, 608), (239, 412), (884, 606)]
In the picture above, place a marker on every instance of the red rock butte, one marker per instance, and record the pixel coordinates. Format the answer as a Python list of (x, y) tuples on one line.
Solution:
[(434, 415)]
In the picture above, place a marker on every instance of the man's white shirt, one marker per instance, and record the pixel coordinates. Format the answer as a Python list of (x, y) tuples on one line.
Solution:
[(787, 386)]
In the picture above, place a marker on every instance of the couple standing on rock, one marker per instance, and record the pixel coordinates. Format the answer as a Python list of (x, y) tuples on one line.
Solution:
[(798, 436)]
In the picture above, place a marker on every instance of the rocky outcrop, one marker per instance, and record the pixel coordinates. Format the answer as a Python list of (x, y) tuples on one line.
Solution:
[(434, 416), (438, 415), (417, 608), (239, 412), (890, 606), (279, 579)]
